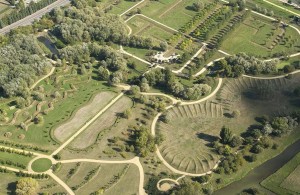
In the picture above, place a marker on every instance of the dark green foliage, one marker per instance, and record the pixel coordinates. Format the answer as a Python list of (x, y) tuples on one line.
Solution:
[(230, 164), (144, 142), (21, 64), (226, 135), (188, 188), (165, 79), (239, 64)]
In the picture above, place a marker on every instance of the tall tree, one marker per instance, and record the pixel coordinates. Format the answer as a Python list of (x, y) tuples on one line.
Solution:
[(226, 135), (27, 186)]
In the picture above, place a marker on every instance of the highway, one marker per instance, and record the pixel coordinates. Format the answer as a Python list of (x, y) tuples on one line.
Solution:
[(37, 15)]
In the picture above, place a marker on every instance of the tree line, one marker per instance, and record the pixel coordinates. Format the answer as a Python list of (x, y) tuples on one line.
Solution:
[(21, 63), (23, 11)]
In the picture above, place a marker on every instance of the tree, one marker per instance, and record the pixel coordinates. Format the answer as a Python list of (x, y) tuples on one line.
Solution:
[(197, 6), (226, 135), (127, 113), (236, 114), (145, 87), (27, 186), (134, 90), (189, 188)]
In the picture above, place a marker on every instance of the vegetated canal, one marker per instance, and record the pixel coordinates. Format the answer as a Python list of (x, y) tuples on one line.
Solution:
[(258, 174)]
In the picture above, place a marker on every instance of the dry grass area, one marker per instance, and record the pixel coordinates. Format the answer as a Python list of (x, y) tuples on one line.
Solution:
[(188, 130), (83, 115), (107, 119), (292, 182)]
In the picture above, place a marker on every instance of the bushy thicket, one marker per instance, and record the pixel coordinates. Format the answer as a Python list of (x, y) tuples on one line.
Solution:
[(165, 79), (239, 64), (92, 24), (21, 63)]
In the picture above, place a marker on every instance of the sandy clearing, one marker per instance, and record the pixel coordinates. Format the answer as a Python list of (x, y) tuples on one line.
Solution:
[(82, 115), (88, 137)]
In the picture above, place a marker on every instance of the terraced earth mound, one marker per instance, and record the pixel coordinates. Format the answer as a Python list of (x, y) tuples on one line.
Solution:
[(190, 130)]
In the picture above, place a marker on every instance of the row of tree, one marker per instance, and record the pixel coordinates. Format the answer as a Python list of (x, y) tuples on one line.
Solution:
[(239, 64), (22, 11)]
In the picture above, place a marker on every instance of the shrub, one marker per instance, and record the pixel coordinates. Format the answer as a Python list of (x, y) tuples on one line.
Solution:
[(256, 149)]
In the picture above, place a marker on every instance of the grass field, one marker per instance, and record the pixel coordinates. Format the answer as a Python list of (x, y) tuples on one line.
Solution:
[(8, 185), (117, 178), (286, 179), (257, 36), (16, 158), (281, 14), (41, 165), (174, 13), (62, 81), (107, 119), (122, 6), (4, 8), (141, 26), (290, 61), (83, 115), (284, 5)]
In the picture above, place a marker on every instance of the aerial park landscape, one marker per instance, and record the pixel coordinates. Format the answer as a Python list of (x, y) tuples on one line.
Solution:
[(149, 97)]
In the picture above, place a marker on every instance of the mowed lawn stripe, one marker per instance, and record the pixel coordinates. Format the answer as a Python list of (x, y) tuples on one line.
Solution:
[(65, 130)]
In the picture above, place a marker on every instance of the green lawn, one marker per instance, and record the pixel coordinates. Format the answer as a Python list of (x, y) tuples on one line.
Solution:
[(41, 165), (15, 158), (255, 36), (174, 13), (290, 61), (4, 8), (143, 27), (279, 13), (122, 7), (281, 182)]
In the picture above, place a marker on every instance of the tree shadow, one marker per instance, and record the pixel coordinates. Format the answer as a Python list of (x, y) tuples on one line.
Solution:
[(207, 137), (250, 129), (11, 188), (228, 115), (190, 8), (295, 102)]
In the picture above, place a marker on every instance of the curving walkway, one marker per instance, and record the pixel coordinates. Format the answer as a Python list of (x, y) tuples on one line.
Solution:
[(44, 77), (188, 62), (168, 179), (270, 78)]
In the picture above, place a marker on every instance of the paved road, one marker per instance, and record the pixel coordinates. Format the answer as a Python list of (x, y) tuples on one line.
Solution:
[(37, 15)]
